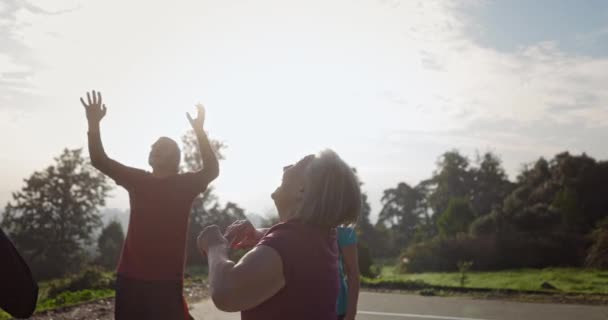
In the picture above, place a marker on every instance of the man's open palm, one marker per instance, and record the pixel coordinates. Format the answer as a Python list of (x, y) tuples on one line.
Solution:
[(199, 121), (95, 109)]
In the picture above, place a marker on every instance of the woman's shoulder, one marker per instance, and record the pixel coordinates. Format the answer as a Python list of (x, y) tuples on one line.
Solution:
[(285, 228), (295, 231), (346, 236), (280, 237)]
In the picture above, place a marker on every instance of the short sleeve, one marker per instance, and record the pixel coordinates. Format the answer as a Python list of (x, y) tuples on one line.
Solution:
[(125, 176), (277, 238), (346, 237), (193, 183)]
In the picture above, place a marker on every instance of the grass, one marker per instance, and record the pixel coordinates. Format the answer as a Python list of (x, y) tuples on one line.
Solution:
[(568, 280), (67, 295), (70, 298), (67, 299)]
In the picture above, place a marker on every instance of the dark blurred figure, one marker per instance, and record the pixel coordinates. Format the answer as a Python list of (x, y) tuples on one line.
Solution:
[(18, 290)]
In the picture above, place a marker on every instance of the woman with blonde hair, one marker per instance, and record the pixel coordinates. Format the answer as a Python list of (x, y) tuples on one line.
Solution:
[(292, 272)]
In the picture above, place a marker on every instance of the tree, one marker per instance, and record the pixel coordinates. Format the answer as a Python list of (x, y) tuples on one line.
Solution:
[(597, 256), (55, 214), (490, 184), (566, 203), (452, 179), (109, 245), (206, 209), (456, 218), (368, 238), (402, 208)]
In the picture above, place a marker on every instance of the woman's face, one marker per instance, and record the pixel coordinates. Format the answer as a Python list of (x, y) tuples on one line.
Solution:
[(288, 195)]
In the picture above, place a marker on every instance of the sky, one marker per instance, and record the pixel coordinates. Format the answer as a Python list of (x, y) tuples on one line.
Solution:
[(390, 85)]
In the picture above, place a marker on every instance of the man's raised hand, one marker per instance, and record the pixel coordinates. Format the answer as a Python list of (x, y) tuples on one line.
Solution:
[(95, 109), (199, 121)]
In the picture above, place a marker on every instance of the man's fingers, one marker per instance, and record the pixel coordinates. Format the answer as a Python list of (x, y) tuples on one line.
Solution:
[(99, 97), (95, 97), (89, 98), (189, 117), (201, 109), (104, 109), (83, 103)]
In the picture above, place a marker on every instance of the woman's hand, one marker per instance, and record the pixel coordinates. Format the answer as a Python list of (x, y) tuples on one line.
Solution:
[(209, 238), (242, 234)]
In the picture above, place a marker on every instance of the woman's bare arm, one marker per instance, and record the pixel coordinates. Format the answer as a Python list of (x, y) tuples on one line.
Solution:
[(236, 287), (350, 258)]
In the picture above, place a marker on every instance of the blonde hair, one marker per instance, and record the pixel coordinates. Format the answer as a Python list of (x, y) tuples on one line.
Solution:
[(332, 195)]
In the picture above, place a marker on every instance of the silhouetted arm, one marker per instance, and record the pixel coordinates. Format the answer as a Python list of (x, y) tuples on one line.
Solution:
[(211, 168), (123, 175)]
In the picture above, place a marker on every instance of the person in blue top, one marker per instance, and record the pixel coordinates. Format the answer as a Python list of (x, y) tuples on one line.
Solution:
[(349, 273)]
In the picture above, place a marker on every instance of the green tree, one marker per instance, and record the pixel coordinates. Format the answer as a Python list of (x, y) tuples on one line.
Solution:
[(597, 256), (456, 218), (110, 244), (54, 215), (206, 209), (402, 208), (368, 238), (566, 203), (490, 184), (451, 179)]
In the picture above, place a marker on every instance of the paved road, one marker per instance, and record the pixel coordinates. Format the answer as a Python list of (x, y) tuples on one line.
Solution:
[(383, 306)]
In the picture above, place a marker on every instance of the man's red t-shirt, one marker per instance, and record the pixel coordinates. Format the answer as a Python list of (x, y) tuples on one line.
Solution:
[(155, 245), (310, 268)]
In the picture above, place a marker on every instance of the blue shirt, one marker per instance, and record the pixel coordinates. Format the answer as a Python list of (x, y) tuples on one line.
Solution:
[(346, 237)]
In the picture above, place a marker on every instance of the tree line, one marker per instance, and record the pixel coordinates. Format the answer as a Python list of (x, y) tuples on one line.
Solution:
[(554, 214), (54, 216)]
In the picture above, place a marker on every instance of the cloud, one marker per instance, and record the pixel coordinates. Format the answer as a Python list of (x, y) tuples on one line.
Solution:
[(17, 60), (407, 76), (535, 82)]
